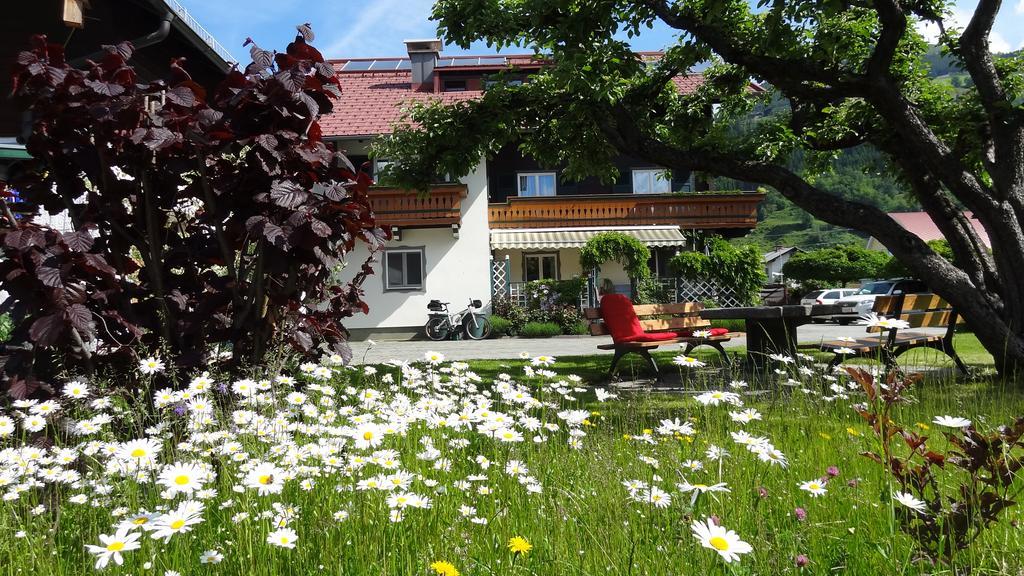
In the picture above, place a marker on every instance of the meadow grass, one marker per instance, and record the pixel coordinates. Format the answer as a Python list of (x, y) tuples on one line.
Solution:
[(569, 502)]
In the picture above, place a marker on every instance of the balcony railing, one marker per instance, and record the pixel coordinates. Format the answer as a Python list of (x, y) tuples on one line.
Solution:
[(406, 209), (696, 211)]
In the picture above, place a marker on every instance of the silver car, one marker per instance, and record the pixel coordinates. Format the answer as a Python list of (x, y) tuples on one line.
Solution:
[(863, 301), (831, 296)]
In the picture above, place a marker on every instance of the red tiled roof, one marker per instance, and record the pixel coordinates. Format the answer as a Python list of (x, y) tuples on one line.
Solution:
[(922, 226), (371, 102)]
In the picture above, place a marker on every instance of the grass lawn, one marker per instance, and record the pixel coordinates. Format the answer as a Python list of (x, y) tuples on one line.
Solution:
[(388, 471), (593, 368)]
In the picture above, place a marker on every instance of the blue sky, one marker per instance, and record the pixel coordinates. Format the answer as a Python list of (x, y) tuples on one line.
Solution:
[(346, 28)]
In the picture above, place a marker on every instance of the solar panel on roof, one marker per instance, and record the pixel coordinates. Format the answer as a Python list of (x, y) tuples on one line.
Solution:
[(358, 65), (446, 62), (492, 61), (404, 64), (383, 64)]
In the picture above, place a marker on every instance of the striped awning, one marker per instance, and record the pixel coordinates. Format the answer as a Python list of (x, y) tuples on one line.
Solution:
[(577, 237)]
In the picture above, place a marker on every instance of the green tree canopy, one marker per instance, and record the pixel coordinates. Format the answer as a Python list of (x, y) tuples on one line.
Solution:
[(836, 265), (852, 73)]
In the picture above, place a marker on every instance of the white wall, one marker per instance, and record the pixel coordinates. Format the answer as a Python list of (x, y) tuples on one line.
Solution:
[(455, 269)]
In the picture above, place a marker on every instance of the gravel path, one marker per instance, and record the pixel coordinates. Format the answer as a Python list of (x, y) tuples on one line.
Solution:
[(383, 350)]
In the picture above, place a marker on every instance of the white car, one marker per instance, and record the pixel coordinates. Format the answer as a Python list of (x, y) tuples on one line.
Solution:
[(826, 297), (863, 301)]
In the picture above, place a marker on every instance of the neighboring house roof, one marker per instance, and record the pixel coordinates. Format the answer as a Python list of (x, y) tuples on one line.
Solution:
[(778, 252), (375, 90), (922, 226)]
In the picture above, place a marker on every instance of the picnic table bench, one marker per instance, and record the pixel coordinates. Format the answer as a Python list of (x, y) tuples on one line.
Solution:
[(919, 311), (673, 323)]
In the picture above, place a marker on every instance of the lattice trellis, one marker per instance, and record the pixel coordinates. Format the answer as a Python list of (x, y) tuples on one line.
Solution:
[(689, 291), (500, 285)]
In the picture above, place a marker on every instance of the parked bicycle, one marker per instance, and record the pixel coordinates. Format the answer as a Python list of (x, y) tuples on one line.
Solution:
[(443, 324)]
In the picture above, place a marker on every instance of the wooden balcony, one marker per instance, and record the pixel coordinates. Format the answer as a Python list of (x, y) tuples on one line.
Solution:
[(407, 209), (704, 211)]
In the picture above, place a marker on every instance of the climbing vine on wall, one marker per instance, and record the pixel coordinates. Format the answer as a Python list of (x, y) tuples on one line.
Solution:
[(739, 269), (617, 247)]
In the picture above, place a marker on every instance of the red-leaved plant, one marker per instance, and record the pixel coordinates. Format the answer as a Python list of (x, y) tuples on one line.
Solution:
[(203, 221), (964, 486)]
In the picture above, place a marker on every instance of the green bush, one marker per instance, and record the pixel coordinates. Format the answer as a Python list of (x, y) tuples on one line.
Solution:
[(500, 326), (836, 264), (567, 317), (6, 325), (540, 330), (651, 291), (581, 328), (514, 313), (545, 293)]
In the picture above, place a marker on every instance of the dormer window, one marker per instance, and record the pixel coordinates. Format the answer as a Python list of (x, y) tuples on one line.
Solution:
[(454, 85)]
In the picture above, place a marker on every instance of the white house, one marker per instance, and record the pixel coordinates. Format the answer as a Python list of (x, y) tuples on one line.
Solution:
[(512, 220)]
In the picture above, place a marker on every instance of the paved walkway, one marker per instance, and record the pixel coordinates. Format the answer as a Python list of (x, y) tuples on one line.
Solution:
[(383, 351)]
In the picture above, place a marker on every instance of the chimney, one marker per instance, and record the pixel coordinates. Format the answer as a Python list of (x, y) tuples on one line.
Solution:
[(423, 55)]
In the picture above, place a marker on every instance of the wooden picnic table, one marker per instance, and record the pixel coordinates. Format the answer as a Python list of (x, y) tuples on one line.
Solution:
[(770, 329)]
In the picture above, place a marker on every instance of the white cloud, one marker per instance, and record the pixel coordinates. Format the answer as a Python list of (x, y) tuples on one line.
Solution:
[(998, 44), (955, 18)]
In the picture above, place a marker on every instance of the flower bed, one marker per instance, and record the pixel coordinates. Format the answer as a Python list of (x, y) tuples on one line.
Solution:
[(425, 468)]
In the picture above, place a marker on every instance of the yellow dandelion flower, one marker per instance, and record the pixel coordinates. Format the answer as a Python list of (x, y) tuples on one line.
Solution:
[(648, 431), (443, 568), (852, 431), (519, 545), (824, 436), (922, 426)]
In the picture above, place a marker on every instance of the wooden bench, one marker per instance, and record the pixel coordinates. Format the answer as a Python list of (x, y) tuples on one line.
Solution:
[(660, 318), (920, 311)]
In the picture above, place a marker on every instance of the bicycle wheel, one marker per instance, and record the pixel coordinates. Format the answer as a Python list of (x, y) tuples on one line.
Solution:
[(437, 328), (477, 327)]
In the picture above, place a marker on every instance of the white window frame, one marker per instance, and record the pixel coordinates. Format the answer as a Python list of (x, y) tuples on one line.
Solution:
[(405, 287), (652, 175), (519, 183), (540, 257)]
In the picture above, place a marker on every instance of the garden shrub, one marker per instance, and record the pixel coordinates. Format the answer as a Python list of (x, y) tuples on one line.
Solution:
[(238, 212), (540, 330), (500, 326), (617, 247), (651, 291), (548, 292), (581, 328), (509, 310), (6, 325), (567, 317)]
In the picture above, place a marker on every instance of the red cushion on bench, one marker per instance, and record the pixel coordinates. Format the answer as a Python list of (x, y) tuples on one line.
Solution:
[(652, 337), (619, 318)]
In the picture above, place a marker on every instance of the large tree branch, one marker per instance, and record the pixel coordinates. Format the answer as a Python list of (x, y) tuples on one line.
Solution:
[(974, 51), (893, 25)]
